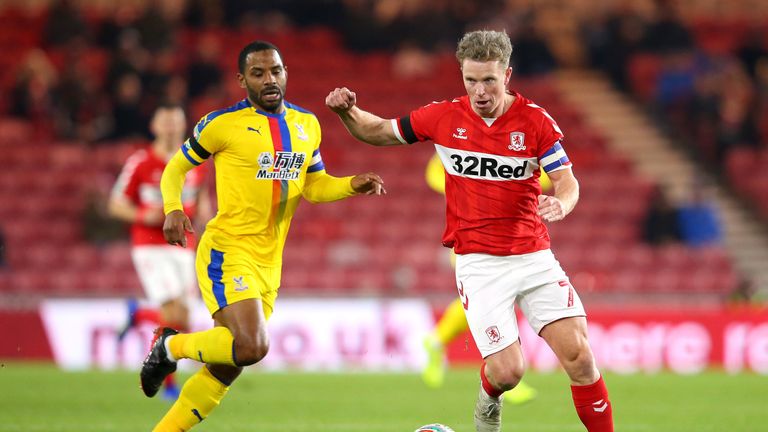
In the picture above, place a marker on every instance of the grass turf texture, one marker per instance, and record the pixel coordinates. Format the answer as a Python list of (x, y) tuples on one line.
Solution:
[(42, 398)]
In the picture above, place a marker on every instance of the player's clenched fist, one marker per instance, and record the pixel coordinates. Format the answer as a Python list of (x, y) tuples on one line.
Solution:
[(175, 227), (341, 100)]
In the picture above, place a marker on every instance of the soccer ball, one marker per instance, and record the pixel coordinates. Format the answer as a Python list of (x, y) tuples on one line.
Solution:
[(434, 427)]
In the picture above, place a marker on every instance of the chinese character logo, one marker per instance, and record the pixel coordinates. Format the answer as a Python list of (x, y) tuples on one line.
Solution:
[(282, 166)]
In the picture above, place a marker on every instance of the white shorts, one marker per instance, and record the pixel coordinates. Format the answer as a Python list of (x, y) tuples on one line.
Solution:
[(166, 272), (490, 286)]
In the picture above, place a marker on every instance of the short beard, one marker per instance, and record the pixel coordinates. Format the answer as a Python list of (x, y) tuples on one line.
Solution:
[(270, 107)]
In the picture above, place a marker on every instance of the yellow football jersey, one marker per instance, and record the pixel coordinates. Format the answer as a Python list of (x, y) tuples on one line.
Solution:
[(264, 164)]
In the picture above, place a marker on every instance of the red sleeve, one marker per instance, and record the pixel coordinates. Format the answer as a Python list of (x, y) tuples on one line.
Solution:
[(420, 124), (549, 131), (127, 183), (132, 189)]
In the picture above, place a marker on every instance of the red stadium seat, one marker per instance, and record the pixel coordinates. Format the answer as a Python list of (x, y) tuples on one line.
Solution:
[(372, 245)]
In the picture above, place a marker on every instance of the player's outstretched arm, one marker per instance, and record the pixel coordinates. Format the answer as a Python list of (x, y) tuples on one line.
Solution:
[(363, 125), (368, 184), (555, 208), (322, 187)]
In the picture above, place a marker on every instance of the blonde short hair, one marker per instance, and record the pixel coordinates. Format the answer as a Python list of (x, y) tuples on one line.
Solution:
[(485, 45)]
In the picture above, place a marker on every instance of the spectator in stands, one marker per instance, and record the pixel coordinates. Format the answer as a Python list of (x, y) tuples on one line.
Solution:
[(737, 123), (156, 77), (754, 53), (675, 87), (698, 218), (31, 96), (129, 58), (112, 29), (158, 24), (660, 223), (410, 61), (75, 100), (128, 121), (175, 90), (65, 24), (667, 33), (613, 40), (363, 30), (203, 71), (532, 54)]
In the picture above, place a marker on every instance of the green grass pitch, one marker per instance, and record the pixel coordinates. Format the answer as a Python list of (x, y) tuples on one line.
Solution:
[(41, 398)]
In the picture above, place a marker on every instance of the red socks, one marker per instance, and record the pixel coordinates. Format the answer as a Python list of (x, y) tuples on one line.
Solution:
[(593, 406), (489, 389), (148, 315)]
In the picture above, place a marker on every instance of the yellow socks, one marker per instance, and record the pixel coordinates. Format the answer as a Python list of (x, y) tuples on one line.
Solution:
[(452, 323), (212, 346), (199, 396)]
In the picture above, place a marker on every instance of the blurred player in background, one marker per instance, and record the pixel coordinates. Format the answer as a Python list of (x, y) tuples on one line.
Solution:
[(267, 157), (453, 322), (167, 273), (492, 142)]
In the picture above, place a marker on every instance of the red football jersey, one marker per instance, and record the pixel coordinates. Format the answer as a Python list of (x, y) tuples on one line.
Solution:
[(492, 172), (139, 181)]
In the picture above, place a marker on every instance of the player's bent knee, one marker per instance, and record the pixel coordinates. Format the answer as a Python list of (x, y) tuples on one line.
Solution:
[(506, 376), (250, 350), (509, 379)]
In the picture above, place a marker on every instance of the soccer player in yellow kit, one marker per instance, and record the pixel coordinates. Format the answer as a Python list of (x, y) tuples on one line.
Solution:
[(453, 322), (267, 156)]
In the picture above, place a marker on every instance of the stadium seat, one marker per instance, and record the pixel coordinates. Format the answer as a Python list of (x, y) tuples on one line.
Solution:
[(371, 245)]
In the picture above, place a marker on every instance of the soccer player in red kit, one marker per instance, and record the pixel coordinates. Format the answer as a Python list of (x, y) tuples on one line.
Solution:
[(492, 142), (167, 273)]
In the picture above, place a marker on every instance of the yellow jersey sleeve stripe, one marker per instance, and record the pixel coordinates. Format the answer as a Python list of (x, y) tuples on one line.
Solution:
[(186, 150), (198, 149), (205, 121), (316, 164)]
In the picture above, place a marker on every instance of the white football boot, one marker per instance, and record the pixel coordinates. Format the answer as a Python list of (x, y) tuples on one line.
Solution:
[(488, 412)]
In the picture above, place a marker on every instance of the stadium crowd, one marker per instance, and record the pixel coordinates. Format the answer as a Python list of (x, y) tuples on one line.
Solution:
[(716, 96), (81, 65)]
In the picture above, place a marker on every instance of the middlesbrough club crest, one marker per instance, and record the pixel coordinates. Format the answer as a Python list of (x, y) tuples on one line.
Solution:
[(493, 334), (517, 141)]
